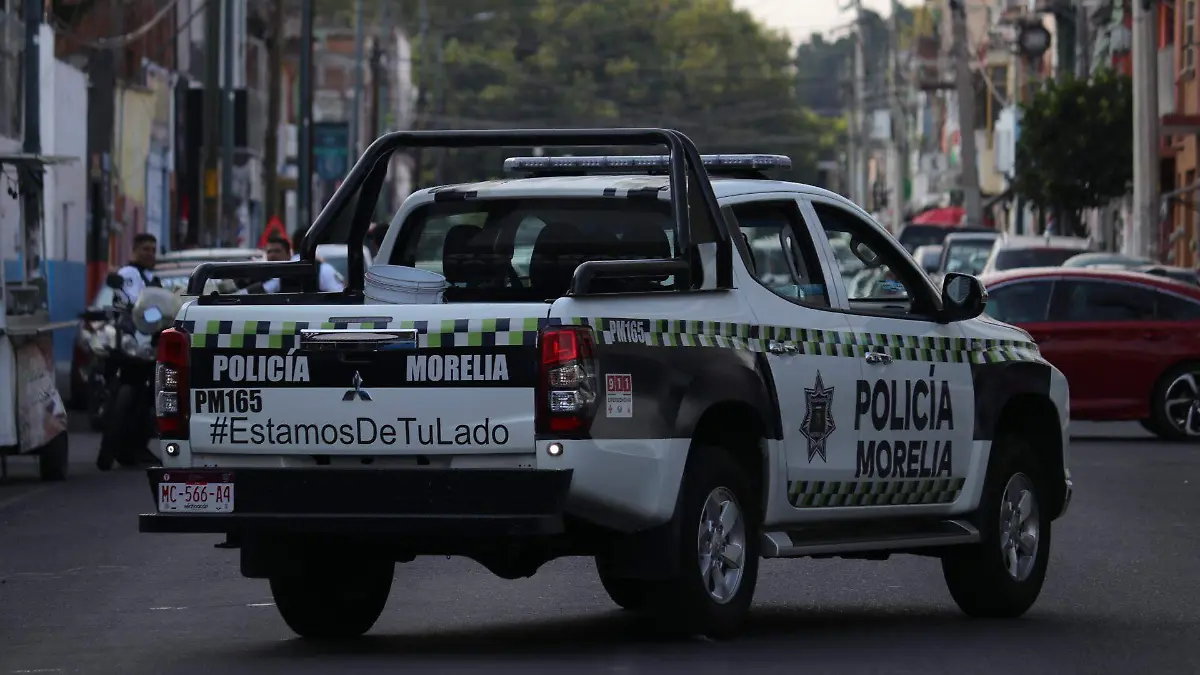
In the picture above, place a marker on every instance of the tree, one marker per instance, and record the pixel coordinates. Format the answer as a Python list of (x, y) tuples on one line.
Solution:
[(700, 66), (1075, 149)]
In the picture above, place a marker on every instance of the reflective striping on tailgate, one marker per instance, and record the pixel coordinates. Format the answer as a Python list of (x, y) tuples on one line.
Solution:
[(501, 331)]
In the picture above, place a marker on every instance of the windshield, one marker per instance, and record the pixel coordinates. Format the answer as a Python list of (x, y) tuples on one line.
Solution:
[(1012, 258), (913, 237), (528, 249), (968, 257)]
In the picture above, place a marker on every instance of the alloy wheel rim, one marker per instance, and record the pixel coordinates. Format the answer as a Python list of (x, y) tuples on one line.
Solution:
[(1020, 527), (721, 545), (1182, 404)]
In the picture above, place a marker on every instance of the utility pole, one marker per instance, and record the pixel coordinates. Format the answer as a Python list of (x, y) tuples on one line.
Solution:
[(207, 224), (859, 172), (304, 161), (227, 230), (897, 148), (1140, 239), (356, 117), (274, 93), (31, 193), (969, 175)]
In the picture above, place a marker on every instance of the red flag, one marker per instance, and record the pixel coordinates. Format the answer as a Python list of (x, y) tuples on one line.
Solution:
[(274, 226)]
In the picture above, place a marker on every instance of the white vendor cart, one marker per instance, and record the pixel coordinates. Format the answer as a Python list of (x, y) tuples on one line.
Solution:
[(33, 419)]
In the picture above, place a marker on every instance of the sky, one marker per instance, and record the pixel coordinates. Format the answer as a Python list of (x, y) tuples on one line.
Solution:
[(800, 18)]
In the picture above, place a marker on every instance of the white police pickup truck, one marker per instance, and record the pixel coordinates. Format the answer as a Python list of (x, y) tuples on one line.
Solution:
[(619, 369)]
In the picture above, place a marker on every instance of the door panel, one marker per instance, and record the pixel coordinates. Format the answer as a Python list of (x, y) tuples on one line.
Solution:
[(1103, 336)]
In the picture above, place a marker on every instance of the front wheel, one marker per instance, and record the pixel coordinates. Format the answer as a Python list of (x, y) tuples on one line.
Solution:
[(332, 602), (718, 550), (1002, 575)]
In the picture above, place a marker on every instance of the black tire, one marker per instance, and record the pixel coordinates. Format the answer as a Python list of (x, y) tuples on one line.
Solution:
[(53, 459), (121, 440), (977, 575), (333, 602), (683, 605), (97, 399), (629, 594), (1160, 423)]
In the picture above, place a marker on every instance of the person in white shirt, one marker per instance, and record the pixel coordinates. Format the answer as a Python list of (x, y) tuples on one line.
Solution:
[(139, 273), (279, 249)]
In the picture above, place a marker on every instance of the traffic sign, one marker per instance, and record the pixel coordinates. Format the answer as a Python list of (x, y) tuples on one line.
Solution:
[(331, 149)]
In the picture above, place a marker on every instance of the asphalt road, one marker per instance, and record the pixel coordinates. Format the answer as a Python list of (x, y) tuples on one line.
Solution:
[(82, 592)]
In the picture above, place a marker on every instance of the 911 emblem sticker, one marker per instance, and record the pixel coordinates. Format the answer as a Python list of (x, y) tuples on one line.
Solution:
[(618, 395)]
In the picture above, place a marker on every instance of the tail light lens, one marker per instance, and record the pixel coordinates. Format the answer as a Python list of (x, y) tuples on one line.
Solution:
[(566, 381), (171, 384)]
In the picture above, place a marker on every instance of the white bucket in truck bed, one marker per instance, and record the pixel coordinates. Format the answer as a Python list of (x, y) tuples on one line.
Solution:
[(400, 285)]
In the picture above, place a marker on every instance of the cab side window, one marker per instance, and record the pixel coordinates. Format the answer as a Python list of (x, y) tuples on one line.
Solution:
[(1174, 308), (779, 252), (1025, 302), (880, 277), (1082, 301)]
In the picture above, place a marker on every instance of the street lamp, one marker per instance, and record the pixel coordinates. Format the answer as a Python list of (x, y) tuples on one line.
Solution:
[(1033, 40)]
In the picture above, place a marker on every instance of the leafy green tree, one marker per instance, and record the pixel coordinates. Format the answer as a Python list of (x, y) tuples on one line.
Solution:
[(700, 66), (1075, 149)]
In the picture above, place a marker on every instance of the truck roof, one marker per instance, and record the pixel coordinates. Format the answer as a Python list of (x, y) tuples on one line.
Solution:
[(599, 185)]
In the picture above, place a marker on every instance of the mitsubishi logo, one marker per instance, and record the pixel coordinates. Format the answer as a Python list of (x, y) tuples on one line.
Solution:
[(357, 392)]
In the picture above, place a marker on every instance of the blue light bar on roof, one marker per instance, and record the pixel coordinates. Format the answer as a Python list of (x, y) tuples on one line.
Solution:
[(636, 162)]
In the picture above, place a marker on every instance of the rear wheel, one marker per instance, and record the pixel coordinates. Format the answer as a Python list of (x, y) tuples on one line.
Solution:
[(718, 550), (123, 438), (1002, 575), (629, 594), (332, 601), (1175, 404), (53, 459)]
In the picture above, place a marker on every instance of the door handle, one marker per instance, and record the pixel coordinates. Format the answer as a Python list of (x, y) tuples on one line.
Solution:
[(878, 358), (782, 348)]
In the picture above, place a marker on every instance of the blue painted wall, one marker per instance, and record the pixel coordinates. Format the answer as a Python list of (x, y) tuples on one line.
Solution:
[(66, 283)]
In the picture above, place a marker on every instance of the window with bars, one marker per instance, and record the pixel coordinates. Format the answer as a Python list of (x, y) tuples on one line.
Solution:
[(12, 46), (1189, 34)]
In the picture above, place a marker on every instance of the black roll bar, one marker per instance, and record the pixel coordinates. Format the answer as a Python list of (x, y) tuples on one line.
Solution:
[(367, 175)]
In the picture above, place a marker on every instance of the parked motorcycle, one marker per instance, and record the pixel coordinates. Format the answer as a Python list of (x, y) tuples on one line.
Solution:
[(99, 342), (129, 411)]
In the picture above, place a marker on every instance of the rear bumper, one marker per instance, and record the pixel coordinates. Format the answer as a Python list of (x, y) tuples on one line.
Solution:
[(413, 502)]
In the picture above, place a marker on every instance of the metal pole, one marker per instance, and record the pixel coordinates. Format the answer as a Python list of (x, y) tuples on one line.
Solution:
[(860, 193), (226, 229), (304, 161), (356, 117), (274, 104), (896, 159), (31, 195), (969, 176), (207, 223), (1140, 230)]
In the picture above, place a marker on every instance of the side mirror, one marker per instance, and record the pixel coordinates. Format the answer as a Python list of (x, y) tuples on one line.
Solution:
[(963, 297), (114, 281)]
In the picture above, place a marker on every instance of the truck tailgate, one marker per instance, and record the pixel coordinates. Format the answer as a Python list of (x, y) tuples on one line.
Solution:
[(463, 384)]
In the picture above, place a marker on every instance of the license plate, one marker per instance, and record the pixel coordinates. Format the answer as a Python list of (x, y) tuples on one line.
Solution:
[(195, 497)]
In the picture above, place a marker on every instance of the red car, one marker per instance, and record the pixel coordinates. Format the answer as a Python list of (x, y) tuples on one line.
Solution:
[(1128, 343)]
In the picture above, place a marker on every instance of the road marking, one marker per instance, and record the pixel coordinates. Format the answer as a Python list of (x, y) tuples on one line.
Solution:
[(15, 499), (154, 609), (261, 604), (39, 670)]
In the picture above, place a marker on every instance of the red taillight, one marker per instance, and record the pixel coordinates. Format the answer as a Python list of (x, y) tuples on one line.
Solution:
[(566, 390), (171, 384)]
